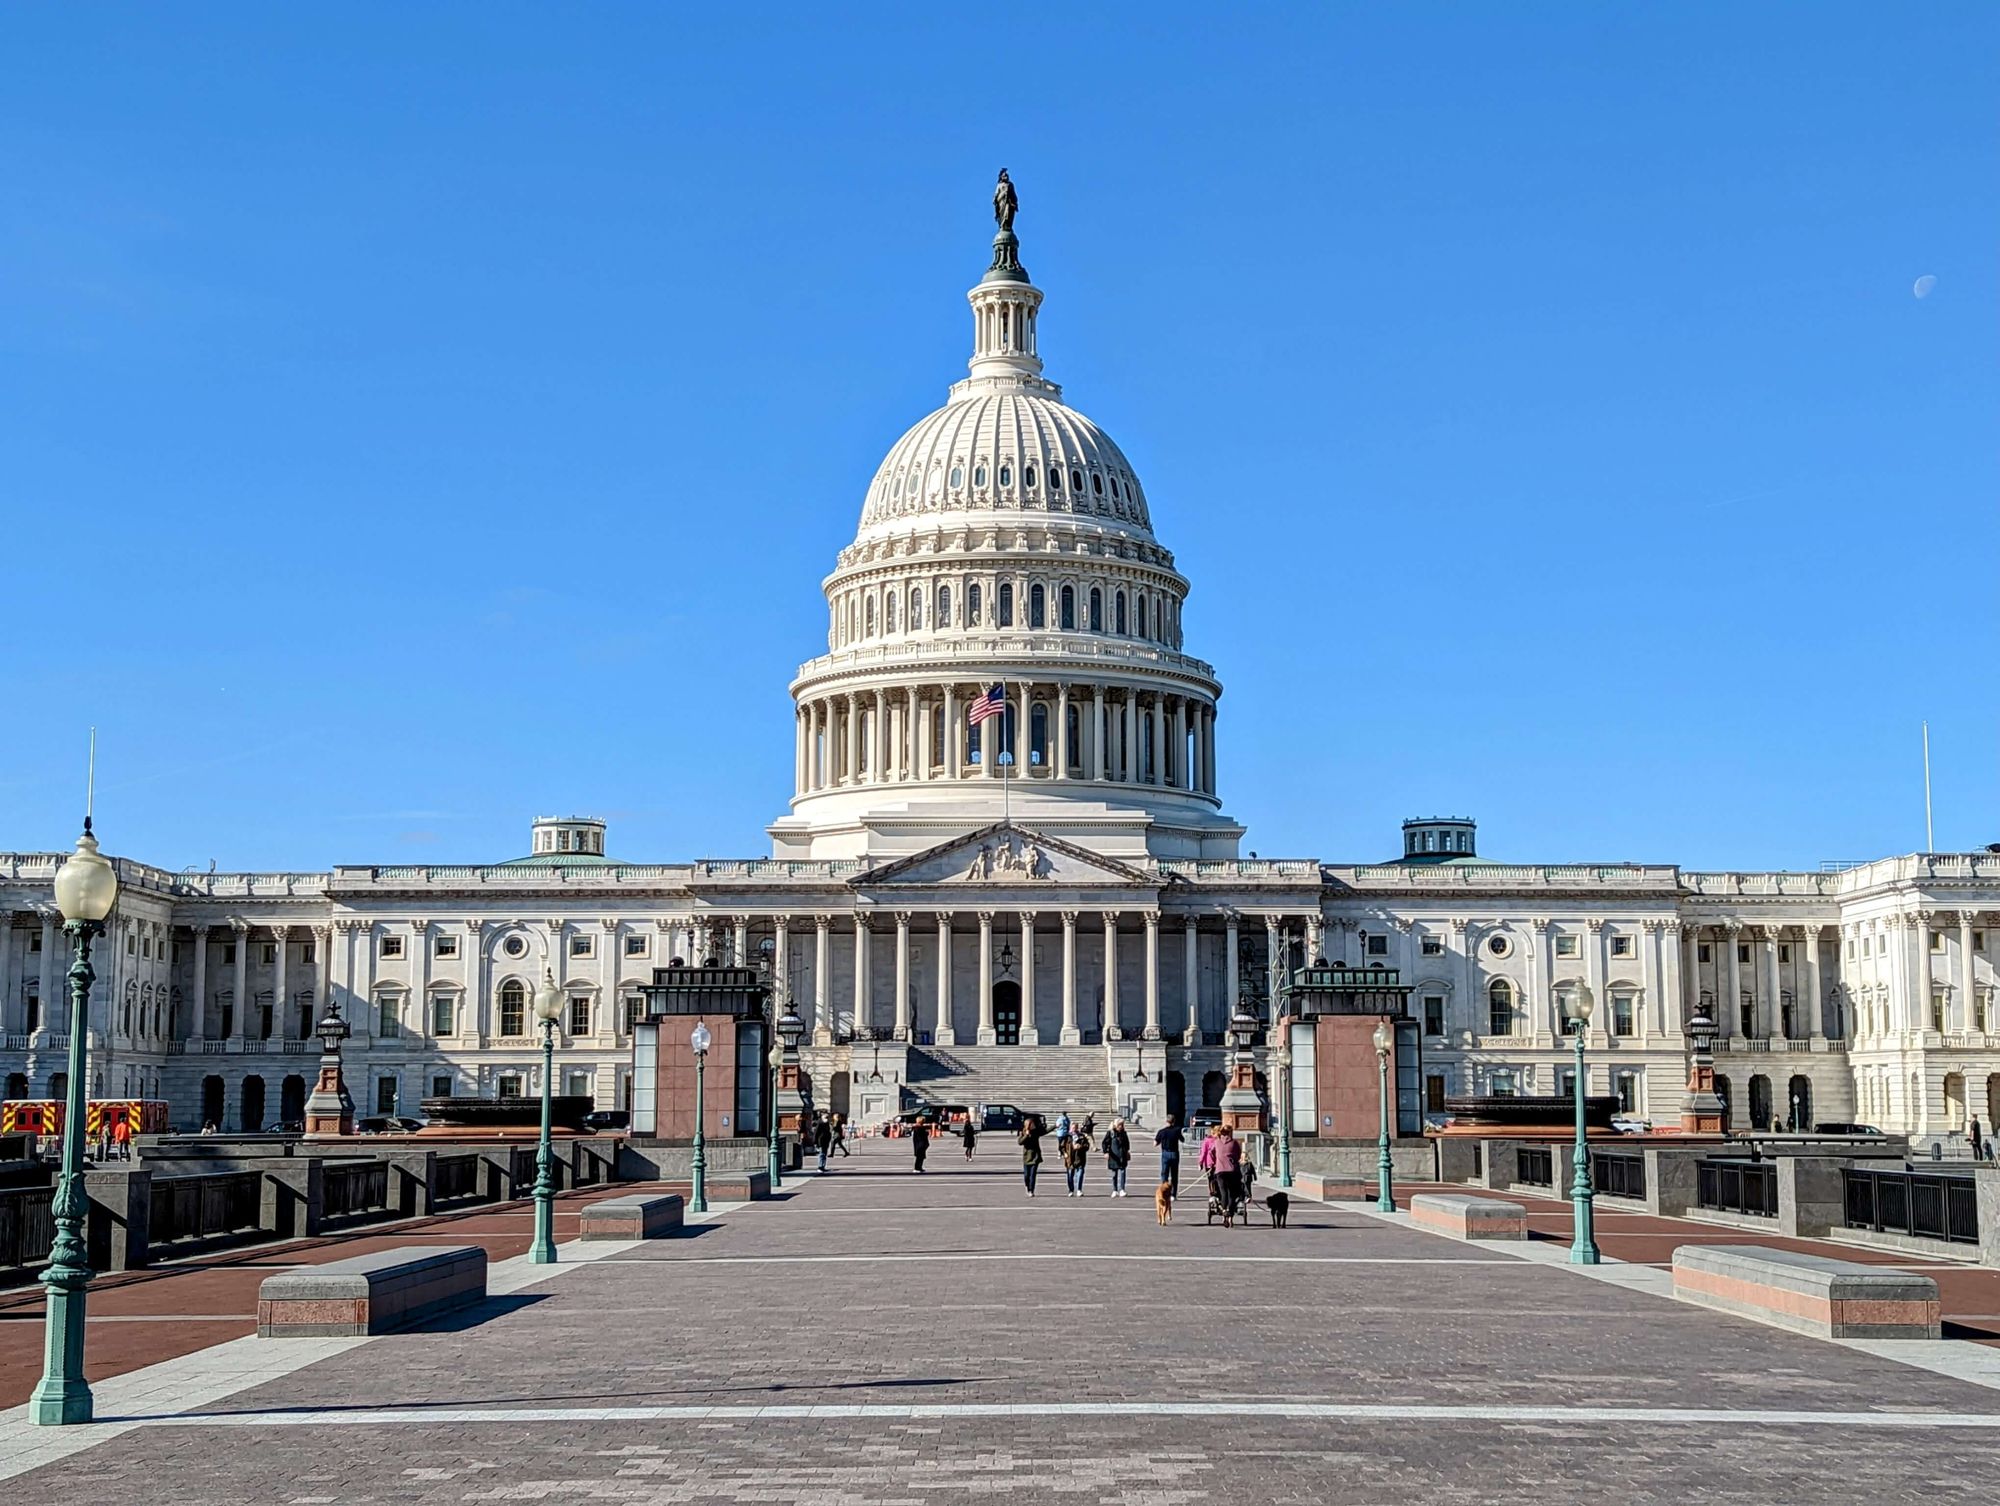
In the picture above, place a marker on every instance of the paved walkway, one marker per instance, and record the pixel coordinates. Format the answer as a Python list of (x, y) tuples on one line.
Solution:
[(876, 1337)]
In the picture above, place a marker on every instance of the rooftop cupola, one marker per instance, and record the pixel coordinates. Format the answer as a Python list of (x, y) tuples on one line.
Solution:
[(1004, 306)]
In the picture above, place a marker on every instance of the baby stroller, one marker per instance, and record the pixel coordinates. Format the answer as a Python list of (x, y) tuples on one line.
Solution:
[(1216, 1206)]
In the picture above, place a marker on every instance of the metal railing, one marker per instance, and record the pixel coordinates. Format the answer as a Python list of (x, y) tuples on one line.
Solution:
[(1534, 1166), (457, 1177), (1619, 1173), (1749, 1187), (348, 1190), (185, 1209), (27, 1226), (1929, 1205)]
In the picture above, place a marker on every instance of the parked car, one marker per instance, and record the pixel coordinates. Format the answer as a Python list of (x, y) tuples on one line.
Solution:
[(1002, 1116), (388, 1124), (1204, 1118), (1843, 1127), (1626, 1124), (601, 1120), (286, 1127)]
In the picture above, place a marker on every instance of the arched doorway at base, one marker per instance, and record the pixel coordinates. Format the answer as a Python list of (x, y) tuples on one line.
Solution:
[(1007, 1013)]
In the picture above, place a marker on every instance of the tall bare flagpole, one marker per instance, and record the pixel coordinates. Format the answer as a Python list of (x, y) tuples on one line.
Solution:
[(1930, 841)]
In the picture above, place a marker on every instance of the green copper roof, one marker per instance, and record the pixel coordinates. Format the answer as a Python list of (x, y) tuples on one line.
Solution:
[(560, 860)]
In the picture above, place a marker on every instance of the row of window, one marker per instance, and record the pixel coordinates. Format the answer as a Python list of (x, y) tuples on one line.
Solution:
[(1143, 760), (1502, 1010), (511, 1002), (1109, 492), (1154, 617)]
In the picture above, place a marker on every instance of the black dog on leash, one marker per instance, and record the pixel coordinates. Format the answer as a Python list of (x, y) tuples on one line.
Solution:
[(1280, 1204)]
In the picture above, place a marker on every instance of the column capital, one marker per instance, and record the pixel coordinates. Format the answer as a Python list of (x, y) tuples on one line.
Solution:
[(1152, 919), (1772, 934), (823, 922), (903, 918), (1069, 918), (1730, 928), (241, 926), (1969, 918), (986, 919), (201, 928)]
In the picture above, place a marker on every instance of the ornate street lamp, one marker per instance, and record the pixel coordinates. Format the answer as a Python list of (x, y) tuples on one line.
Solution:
[(1577, 1005), (86, 889), (700, 1042), (1385, 1040), (548, 1009), (773, 1162), (1284, 1111)]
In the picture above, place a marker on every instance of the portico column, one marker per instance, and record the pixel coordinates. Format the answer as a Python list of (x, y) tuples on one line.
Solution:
[(943, 1034), (1128, 764), (1232, 981), (952, 741), (1271, 973), (799, 750), (9, 1023), (241, 1010), (1153, 968), (1920, 922), (1690, 971), (781, 948), (902, 975), (862, 991), (1961, 1004), (850, 716), (1024, 713), (278, 994), (200, 1031), (1730, 1015), (1191, 980), (878, 753), (1815, 1012), (1062, 732), (1110, 971), (1030, 1036), (912, 737), (986, 1035), (53, 1014), (1208, 749), (1159, 772), (1070, 1034), (1099, 766), (822, 954)]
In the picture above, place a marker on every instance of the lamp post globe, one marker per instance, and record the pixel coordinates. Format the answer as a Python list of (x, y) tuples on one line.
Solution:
[(548, 1010), (1385, 1042), (1578, 1003), (700, 1041), (86, 889)]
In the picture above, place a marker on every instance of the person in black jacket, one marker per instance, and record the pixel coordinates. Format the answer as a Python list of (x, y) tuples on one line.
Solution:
[(822, 1138), (920, 1143), (970, 1134), (1117, 1155)]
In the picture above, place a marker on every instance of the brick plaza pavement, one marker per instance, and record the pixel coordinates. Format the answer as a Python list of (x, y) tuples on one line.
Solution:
[(876, 1337)]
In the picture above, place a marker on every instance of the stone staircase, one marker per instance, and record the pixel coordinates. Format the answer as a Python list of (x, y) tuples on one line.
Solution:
[(1044, 1080)]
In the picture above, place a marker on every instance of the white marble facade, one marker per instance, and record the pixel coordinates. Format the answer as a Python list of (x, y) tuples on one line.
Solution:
[(1005, 540)]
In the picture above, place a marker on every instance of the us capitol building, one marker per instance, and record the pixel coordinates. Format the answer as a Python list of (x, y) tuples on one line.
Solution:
[(1047, 899)]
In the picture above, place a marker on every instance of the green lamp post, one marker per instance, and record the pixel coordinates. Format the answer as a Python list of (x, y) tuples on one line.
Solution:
[(86, 889), (700, 1042), (1577, 1005), (548, 1009), (1284, 1106), (1385, 1040), (773, 1161)]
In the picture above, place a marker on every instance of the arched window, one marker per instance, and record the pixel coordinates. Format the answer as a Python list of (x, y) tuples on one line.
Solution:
[(1119, 616), (1096, 610), (1069, 609), (889, 612), (937, 735), (972, 604), (972, 730), (1003, 605), (1028, 478), (944, 606), (868, 617), (916, 609), (1097, 482), (957, 477), (1500, 1007), (513, 1008), (864, 727), (1076, 481), (1006, 474), (1075, 738), (979, 474), (1141, 627), (1055, 479), (1037, 607), (1038, 736)]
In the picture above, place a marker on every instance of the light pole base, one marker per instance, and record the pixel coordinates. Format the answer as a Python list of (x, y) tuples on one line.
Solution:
[(62, 1396)]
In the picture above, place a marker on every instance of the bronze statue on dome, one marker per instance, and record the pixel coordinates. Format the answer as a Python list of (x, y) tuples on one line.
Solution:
[(1005, 202)]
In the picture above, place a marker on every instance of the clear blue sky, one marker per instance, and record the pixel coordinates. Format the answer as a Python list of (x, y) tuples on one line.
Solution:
[(421, 417)]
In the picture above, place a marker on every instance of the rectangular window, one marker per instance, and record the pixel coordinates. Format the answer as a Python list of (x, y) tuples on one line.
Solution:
[(1979, 941), (1864, 946), (1784, 951), (269, 957), (445, 946), (385, 1095), (389, 1012), (1742, 953), (581, 945), (1378, 946), (1937, 941), (1701, 952), (392, 946), (1433, 946), (444, 1015), (1500, 1016), (508, 1085), (1850, 949), (513, 1013), (1937, 1012), (1621, 946), (1503, 1084), (1621, 1014), (635, 946), (1566, 1082), (1568, 946), (441, 1087), (1434, 1093), (34, 941), (1628, 1093), (577, 1085), (1433, 1014), (635, 1010), (579, 1017), (131, 944)]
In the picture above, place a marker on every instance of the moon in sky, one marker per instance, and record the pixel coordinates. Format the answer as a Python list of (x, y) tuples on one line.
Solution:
[(1924, 285)]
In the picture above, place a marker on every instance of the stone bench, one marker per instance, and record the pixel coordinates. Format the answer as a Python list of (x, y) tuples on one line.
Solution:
[(637, 1215), (737, 1186), (370, 1294), (1468, 1217), (1833, 1299)]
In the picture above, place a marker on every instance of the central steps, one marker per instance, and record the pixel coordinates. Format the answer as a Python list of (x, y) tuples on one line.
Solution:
[(1045, 1080)]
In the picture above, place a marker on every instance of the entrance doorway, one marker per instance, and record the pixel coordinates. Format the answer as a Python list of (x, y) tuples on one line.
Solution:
[(292, 1099), (1007, 1014), (211, 1102), (252, 1121)]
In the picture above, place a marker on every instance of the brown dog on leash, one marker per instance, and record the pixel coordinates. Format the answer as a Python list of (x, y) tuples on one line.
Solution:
[(1163, 1202)]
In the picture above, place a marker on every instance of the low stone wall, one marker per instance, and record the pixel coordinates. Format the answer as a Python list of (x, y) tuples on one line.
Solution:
[(1833, 1299), (1410, 1160), (673, 1160)]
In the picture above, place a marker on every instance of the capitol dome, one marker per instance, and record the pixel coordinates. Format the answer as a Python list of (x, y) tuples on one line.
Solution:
[(1004, 636)]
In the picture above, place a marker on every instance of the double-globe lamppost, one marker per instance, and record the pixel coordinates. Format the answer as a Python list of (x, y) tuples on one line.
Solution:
[(1385, 1041), (700, 1042), (1578, 1002), (548, 1010), (86, 889)]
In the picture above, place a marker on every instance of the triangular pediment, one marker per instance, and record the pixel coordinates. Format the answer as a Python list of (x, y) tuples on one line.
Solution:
[(1001, 855)]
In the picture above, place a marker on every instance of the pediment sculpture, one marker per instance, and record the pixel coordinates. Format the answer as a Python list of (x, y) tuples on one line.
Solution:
[(1009, 858)]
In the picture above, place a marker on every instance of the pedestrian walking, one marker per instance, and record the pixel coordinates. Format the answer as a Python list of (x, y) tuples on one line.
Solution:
[(1062, 1127), (840, 1134), (822, 1138), (1088, 1129), (121, 1136), (920, 1143), (1168, 1139), (1978, 1139), (1117, 1155), (1032, 1131), (1076, 1157), (1226, 1162), (970, 1135)]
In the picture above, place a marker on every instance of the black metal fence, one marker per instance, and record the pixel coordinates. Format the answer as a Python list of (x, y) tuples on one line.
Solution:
[(349, 1190), (204, 1207), (522, 1170), (1930, 1205), (27, 1225), (1534, 1166), (1738, 1187), (1619, 1173), (457, 1178)]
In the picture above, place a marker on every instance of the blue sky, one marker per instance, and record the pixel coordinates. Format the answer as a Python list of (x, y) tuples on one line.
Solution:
[(420, 417)]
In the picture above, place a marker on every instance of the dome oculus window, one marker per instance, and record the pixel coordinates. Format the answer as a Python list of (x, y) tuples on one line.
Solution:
[(1499, 946), (979, 474), (1055, 479), (1076, 481), (1006, 475), (515, 946), (1028, 478), (957, 477), (1097, 482)]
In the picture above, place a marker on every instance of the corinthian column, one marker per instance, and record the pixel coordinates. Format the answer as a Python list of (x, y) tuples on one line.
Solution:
[(986, 1032)]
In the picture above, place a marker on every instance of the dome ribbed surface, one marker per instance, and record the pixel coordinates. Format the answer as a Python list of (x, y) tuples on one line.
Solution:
[(998, 452)]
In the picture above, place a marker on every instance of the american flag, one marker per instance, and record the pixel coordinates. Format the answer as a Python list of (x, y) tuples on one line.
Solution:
[(993, 703)]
